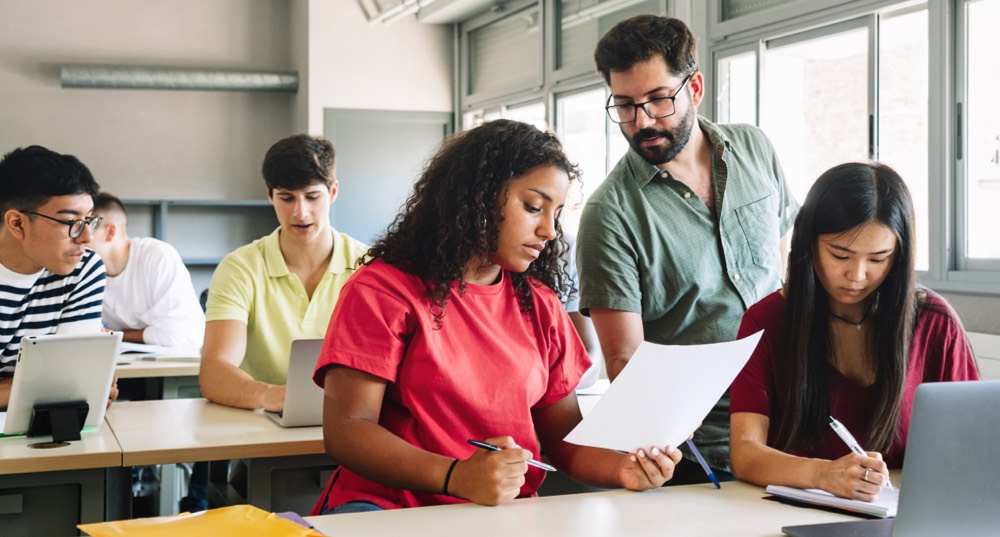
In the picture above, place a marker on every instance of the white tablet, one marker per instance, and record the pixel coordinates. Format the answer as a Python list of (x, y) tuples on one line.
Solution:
[(60, 368)]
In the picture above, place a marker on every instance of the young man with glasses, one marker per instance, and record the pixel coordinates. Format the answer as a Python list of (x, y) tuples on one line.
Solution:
[(683, 235), (50, 282)]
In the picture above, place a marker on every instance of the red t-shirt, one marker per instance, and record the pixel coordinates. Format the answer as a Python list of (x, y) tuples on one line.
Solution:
[(939, 352), (478, 376)]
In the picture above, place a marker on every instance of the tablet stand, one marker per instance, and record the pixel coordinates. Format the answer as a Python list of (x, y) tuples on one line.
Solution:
[(62, 420)]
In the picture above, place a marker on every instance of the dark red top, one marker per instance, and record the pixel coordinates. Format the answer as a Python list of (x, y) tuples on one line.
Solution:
[(939, 352)]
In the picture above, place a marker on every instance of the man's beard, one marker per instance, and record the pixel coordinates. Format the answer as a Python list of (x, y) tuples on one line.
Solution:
[(676, 140)]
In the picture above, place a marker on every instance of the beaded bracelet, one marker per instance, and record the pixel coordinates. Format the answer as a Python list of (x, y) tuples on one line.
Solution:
[(447, 477)]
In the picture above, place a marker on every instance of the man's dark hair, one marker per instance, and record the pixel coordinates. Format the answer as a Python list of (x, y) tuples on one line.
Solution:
[(29, 176), (642, 37), (297, 162)]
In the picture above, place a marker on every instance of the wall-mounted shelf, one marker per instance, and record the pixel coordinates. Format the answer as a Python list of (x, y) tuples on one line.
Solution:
[(203, 231)]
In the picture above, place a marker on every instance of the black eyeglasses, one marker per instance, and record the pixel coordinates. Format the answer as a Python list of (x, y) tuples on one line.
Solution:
[(658, 108), (75, 226)]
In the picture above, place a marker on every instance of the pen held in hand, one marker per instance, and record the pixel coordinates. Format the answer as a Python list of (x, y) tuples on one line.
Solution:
[(852, 444), (531, 462)]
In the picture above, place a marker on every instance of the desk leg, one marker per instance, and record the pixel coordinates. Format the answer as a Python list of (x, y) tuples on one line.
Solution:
[(287, 483), (168, 489), (180, 388), (118, 493)]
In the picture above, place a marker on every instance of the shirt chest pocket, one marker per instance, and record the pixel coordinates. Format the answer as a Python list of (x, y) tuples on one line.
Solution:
[(759, 222)]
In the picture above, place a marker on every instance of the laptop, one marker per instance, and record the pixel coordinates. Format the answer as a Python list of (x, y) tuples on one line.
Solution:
[(951, 473), (303, 398), (61, 368)]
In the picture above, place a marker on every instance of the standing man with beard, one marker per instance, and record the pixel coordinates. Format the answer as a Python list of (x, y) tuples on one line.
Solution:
[(686, 232)]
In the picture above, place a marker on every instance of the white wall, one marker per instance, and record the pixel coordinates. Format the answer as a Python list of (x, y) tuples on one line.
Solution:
[(143, 143), (402, 66), (198, 144)]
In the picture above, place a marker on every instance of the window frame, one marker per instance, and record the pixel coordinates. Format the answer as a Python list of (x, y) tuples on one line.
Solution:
[(949, 270)]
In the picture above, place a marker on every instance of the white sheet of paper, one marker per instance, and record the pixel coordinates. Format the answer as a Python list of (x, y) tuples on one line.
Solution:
[(662, 395)]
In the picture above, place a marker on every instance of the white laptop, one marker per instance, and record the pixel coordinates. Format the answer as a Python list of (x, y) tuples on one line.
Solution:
[(62, 368), (303, 398), (951, 473)]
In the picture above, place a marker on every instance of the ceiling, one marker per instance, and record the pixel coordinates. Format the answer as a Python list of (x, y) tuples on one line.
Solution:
[(427, 11)]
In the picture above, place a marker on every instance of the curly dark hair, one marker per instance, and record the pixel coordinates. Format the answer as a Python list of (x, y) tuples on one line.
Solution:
[(454, 212)]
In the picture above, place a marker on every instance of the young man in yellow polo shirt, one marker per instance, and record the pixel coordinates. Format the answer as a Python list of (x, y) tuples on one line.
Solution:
[(280, 287)]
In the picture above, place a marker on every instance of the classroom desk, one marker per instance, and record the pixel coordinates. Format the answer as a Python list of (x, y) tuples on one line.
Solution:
[(131, 366), (691, 511), (49, 491), (164, 378), (190, 430)]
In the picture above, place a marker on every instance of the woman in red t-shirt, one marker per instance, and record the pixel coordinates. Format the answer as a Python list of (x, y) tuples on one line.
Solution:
[(849, 337), (453, 330)]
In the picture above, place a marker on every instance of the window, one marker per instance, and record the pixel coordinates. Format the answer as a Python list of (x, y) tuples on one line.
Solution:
[(903, 83), (815, 102), (820, 105), (736, 94), (583, 132), (982, 164), (916, 81)]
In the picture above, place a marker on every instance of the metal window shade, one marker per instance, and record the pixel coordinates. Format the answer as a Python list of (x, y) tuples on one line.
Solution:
[(110, 77), (732, 9), (506, 54)]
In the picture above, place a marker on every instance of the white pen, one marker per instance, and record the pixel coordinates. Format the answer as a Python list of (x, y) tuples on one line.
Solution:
[(852, 444)]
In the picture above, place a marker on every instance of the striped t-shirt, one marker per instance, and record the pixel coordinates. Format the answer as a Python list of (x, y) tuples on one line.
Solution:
[(47, 303)]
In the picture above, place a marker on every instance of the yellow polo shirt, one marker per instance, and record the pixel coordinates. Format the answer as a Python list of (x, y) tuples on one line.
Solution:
[(253, 285)]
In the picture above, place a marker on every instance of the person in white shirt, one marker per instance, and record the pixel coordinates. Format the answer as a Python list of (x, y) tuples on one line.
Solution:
[(149, 294)]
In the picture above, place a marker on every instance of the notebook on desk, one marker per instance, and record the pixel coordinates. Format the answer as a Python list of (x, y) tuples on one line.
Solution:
[(303, 398), (951, 478)]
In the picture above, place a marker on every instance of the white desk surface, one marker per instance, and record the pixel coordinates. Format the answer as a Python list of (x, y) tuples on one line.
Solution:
[(132, 366), (187, 430), (95, 449), (689, 511)]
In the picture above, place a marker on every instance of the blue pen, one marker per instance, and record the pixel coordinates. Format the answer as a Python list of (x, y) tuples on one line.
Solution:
[(704, 465), (531, 462)]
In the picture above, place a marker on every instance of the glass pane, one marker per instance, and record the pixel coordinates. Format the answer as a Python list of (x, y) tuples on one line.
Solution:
[(737, 101), (472, 119), (582, 23), (506, 54), (815, 104), (581, 124), (533, 113), (983, 119), (902, 117)]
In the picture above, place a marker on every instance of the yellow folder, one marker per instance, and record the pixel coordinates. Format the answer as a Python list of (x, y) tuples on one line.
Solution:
[(242, 520)]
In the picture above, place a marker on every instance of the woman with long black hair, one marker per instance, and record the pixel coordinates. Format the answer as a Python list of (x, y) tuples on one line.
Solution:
[(850, 336)]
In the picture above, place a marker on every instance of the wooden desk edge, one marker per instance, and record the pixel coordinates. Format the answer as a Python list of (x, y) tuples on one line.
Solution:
[(217, 453)]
